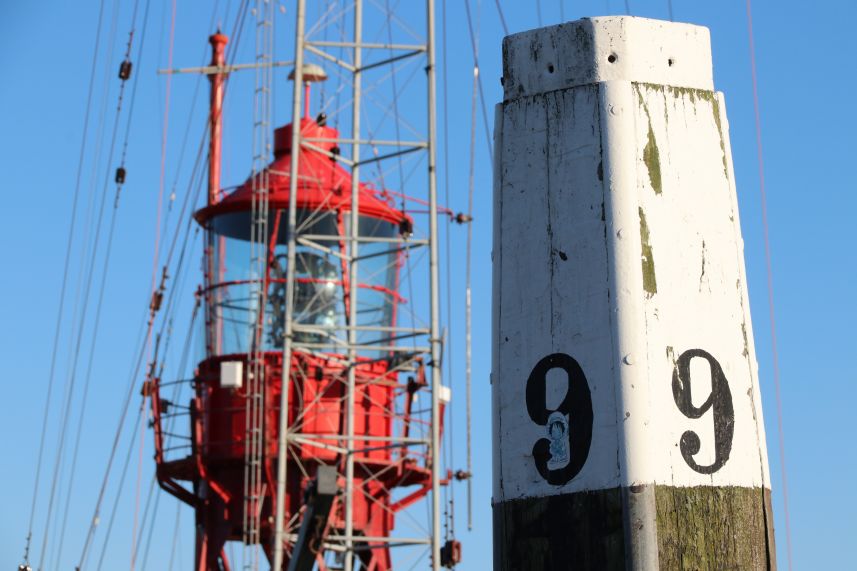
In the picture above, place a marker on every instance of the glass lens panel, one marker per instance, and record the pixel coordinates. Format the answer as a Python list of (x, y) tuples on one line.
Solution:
[(320, 314)]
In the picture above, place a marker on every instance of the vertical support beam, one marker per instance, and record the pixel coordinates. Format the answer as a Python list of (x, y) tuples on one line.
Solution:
[(436, 366), (215, 135), (628, 431), (294, 167), (318, 500), (256, 386), (353, 283)]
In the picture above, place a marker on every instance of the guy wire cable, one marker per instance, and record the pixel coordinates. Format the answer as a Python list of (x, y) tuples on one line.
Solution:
[(74, 347), (123, 413), (103, 284), (770, 275), (69, 241), (468, 320)]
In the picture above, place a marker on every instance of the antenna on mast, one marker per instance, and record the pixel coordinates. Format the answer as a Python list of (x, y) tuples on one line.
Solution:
[(310, 73)]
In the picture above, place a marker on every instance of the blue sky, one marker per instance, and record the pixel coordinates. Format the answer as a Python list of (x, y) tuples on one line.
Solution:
[(805, 85)]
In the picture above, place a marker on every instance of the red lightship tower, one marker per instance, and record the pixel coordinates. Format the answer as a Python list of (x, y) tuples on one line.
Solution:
[(308, 435)]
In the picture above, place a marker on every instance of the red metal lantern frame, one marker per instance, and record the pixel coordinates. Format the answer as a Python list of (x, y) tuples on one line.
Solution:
[(214, 466)]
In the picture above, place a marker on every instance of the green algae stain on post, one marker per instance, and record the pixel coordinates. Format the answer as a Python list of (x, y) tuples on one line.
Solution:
[(650, 283), (651, 155), (716, 105), (653, 160), (711, 528)]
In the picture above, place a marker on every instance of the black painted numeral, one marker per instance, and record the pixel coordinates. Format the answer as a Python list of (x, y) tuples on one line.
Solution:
[(719, 401), (560, 456)]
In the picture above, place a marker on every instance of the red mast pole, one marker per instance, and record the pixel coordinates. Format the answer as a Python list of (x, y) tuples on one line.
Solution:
[(218, 59), (210, 505), (215, 126)]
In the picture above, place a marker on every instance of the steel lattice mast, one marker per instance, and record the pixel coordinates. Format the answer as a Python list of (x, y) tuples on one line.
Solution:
[(307, 439), (260, 183), (320, 49)]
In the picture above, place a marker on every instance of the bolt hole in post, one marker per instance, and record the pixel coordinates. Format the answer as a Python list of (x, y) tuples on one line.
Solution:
[(550, 68), (670, 62), (612, 58)]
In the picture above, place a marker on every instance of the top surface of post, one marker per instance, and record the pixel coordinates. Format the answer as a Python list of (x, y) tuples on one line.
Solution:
[(593, 50)]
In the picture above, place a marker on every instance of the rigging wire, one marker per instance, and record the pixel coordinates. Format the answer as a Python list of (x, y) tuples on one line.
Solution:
[(400, 164), (175, 534), (85, 393), (502, 17), (119, 489), (104, 273), (155, 289), (139, 538), (168, 320), (770, 276), (179, 271), (136, 540), (136, 423), (175, 397), (448, 346), (96, 514), (165, 131), (133, 101), (144, 348), (190, 114), (135, 373), (468, 319), (74, 348), (60, 312), (478, 78), (395, 99), (397, 120), (196, 172), (141, 421), (123, 414)]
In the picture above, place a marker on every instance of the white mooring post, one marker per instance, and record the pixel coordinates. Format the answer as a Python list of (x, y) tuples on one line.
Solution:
[(628, 427)]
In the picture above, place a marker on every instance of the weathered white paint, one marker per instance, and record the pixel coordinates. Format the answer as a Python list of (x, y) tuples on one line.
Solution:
[(575, 175), (594, 50)]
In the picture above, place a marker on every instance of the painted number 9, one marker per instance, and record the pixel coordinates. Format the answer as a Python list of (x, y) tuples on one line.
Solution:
[(560, 456), (719, 401)]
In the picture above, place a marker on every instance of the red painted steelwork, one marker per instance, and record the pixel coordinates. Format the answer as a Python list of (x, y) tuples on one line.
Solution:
[(323, 183), (216, 463), (214, 469)]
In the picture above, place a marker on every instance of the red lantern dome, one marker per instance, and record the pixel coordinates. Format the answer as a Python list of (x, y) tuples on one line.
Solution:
[(323, 183)]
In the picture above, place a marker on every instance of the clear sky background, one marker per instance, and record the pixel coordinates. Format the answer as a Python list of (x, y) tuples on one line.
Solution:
[(805, 55)]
